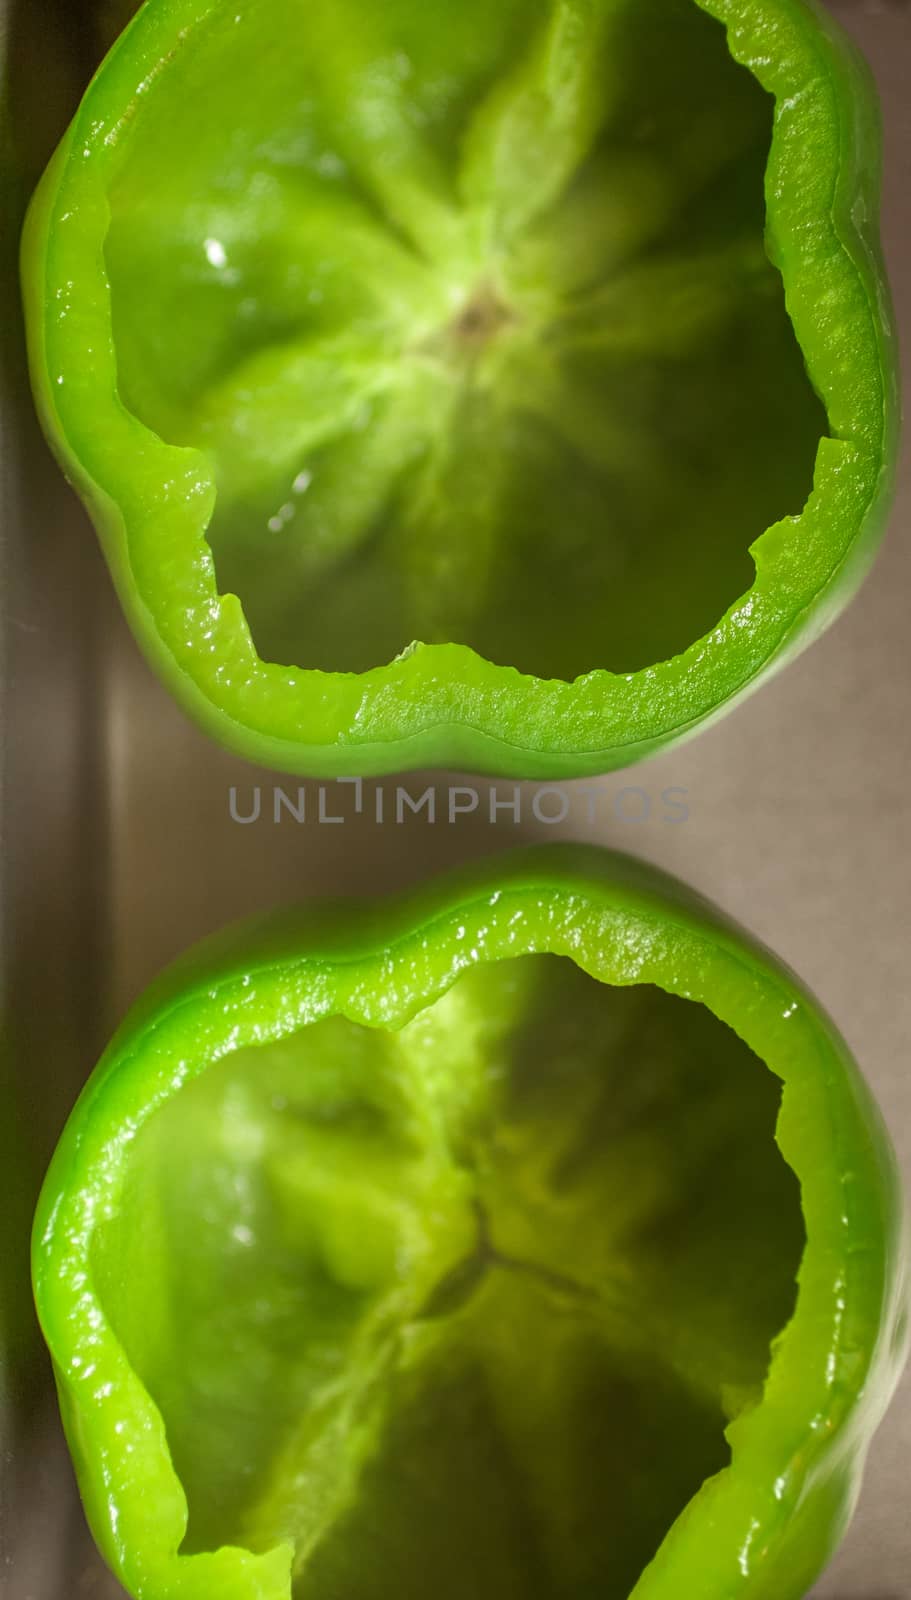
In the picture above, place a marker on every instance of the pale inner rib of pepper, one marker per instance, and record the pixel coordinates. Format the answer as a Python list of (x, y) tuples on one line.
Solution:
[(463, 1308), (469, 306)]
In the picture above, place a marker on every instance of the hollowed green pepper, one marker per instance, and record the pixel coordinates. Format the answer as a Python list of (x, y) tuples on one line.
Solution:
[(532, 1235), (500, 386)]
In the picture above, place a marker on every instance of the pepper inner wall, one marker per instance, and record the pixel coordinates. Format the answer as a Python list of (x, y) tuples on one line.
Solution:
[(477, 353), (346, 1237)]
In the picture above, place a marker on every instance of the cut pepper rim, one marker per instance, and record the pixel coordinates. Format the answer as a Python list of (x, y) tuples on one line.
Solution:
[(833, 1366), (439, 704)]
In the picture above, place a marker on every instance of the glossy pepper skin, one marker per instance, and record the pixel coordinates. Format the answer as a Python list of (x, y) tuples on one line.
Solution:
[(336, 1166), (360, 516)]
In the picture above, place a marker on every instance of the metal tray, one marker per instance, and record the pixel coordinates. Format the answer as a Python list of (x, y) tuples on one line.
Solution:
[(119, 845)]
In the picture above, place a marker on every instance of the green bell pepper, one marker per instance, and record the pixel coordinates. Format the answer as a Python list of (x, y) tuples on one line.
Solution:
[(532, 1235), (507, 387)]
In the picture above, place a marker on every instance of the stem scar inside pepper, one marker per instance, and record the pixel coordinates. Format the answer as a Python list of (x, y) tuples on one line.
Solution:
[(468, 1303), (491, 285)]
